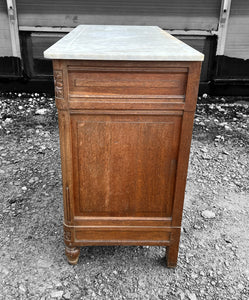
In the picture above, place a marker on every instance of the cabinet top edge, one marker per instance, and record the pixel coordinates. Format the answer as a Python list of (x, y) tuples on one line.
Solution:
[(119, 42)]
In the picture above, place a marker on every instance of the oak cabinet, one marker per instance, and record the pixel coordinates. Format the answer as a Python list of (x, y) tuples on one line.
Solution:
[(125, 134)]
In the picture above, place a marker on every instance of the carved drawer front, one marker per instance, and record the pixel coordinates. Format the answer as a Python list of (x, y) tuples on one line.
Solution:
[(124, 165), (126, 82)]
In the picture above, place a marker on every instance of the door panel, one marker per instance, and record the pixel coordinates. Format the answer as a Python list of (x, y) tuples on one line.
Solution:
[(124, 165)]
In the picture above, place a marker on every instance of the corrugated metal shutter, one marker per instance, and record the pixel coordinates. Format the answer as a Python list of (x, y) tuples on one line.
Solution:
[(38, 42), (237, 42), (5, 41), (168, 14), (201, 44)]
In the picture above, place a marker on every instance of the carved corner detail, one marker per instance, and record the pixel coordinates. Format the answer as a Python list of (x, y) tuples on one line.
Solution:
[(68, 234), (58, 83)]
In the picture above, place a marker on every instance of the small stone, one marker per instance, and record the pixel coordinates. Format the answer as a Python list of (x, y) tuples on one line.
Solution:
[(204, 96), (67, 295), (225, 152), (44, 263), (41, 111), (24, 188), (42, 149), (204, 150), (205, 156), (56, 294), (194, 275), (228, 240), (20, 107), (208, 214), (226, 263), (240, 286), (31, 180), (8, 120), (192, 296), (22, 288), (227, 128), (4, 270), (39, 127), (57, 283), (181, 294), (2, 171)]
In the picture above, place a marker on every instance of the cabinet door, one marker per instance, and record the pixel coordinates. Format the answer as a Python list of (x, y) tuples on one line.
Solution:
[(124, 164)]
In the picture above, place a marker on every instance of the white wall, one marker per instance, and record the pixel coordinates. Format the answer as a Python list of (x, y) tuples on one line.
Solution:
[(237, 41), (5, 41)]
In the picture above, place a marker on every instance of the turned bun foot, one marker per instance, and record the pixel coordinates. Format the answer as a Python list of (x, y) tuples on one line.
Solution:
[(72, 254)]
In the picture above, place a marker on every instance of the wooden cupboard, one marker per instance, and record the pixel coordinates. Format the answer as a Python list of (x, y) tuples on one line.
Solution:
[(125, 134)]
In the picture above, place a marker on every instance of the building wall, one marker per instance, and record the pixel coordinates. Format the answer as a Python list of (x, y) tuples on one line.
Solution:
[(5, 41), (195, 22), (237, 42), (177, 14)]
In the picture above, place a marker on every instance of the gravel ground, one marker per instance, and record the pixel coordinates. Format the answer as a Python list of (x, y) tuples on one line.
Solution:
[(213, 258)]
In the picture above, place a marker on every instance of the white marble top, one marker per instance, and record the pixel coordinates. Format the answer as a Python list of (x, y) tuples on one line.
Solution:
[(114, 42)]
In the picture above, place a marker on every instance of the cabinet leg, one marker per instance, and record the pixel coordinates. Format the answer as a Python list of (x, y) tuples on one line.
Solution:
[(72, 254), (171, 256), (172, 250)]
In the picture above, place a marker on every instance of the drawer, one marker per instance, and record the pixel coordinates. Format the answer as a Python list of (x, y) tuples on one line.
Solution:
[(126, 82)]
